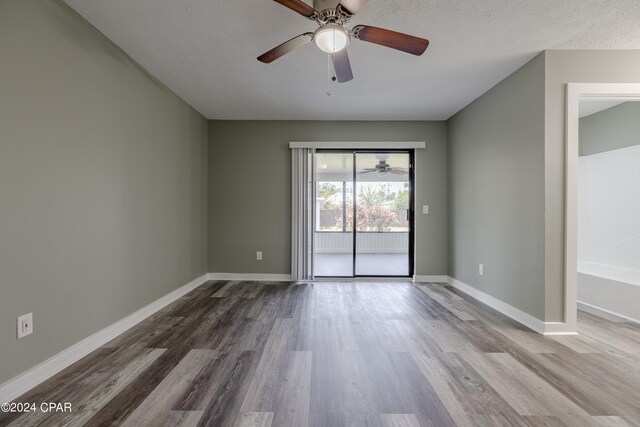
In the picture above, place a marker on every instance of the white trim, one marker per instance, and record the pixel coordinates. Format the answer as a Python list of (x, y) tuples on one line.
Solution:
[(504, 308), (431, 279), (575, 93), (631, 319), (250, 277), (363, 145), (531, 322), (558, 328), (26, 381)]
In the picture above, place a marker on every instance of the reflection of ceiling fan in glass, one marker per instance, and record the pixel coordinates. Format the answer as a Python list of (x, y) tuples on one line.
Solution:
[(383, 168)]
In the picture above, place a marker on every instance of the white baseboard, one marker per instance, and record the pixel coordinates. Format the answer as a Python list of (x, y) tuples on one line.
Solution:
[(431, 279), (26, 381), (250, 277), (504, 308), (631, 319), (531, 322), (559, 328)]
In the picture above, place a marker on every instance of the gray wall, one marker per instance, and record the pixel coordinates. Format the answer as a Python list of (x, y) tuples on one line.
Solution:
[(610, 129), (562, 67), (102, 183), (496, 190), (250, 189)]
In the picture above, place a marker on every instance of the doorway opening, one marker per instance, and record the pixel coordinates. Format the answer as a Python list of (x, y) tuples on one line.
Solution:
[(363, 210), (608, 284), (577, 94)]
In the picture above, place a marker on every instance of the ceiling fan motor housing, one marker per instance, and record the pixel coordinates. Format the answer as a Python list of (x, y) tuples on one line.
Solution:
[(330, 11), (321, 5)]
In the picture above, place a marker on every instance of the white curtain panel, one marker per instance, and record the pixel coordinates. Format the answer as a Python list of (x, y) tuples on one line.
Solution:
[(302, 213)]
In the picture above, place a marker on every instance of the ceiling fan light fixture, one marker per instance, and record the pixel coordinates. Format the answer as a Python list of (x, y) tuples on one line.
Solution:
[(331, 38)]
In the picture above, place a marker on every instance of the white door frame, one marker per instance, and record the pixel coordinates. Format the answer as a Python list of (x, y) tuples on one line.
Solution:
[(575, 93)]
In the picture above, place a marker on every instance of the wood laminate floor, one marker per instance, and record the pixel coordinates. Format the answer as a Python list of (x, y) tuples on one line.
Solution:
[(347, 354)]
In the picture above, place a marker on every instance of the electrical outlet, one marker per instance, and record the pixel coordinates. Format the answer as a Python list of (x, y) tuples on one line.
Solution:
[(481, 269), (259, 255), (25, 325)]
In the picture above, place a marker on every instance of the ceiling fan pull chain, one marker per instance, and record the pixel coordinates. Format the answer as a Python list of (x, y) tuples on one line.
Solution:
[(329, 75)]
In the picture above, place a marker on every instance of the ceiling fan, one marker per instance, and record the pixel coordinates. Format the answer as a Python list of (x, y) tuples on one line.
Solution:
[(333, 35), (383, 167)]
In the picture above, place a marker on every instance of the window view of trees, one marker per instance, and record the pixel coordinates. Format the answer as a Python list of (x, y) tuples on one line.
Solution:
[(381, 207), (326, 193)]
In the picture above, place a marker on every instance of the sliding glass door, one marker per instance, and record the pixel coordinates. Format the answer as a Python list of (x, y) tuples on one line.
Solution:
[(363, 214), (383, 214), (333, 230)]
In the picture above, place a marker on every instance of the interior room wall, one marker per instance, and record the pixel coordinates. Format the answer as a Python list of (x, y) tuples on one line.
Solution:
[(102, 183), (562, 67), (496, 190), (250, 189), (609, 208), (610, 129)]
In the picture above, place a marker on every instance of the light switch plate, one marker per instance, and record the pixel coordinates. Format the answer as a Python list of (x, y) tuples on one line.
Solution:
[(481, 269), (259, 255), (425, 209)]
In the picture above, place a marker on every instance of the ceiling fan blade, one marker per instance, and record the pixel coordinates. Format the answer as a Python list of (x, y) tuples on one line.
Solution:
[(398, 172), (285, 48), (342, 66), (404, 42), (298, 6), (353, 6)]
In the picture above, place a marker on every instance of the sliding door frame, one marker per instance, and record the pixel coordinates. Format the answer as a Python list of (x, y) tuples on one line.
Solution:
[(411, 248)]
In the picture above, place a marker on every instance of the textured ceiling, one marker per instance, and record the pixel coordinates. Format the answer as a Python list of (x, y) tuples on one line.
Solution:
[(205, 51)]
